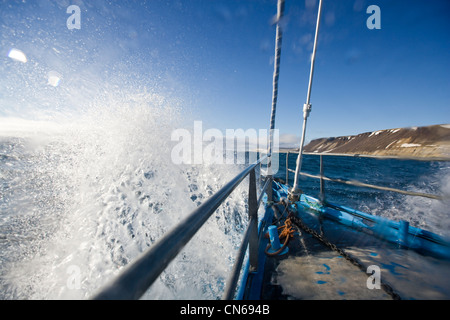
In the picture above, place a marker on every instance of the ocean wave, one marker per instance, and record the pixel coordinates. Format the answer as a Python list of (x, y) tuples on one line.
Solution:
[(83, 201)]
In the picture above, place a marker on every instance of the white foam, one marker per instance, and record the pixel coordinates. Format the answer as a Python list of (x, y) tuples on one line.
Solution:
[(102, 191)]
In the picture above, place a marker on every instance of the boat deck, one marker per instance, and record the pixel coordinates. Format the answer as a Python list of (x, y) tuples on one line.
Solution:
[(313, 271)]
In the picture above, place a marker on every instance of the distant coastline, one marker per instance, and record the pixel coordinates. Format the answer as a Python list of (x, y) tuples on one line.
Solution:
[(357, 155), (418, 143)]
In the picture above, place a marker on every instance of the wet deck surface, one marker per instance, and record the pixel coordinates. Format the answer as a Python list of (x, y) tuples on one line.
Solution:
[(312, 271)]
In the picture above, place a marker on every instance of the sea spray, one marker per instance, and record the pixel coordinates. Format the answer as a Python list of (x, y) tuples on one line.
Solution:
[(89, 198), (425, 213)]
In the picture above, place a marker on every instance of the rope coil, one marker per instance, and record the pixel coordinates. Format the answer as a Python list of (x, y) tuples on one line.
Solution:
[(287, 233)]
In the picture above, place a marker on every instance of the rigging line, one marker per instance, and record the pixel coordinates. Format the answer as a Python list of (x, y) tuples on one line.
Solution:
[(294, 193), (276, 74), (371, 186)]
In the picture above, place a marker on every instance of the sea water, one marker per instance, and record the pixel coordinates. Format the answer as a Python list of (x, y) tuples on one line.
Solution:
[(411, 274), (81, 199), (83, 196), (431, 177)]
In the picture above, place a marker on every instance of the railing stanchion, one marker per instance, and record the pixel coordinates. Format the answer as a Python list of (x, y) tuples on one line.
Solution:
[(287, 167), (139, 275), (322, 189), (253, 215)]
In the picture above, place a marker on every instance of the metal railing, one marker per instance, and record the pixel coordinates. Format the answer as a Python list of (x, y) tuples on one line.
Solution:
[(322, 178), (139, 275)]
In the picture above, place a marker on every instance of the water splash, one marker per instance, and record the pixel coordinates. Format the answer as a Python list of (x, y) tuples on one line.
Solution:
[(86, 178), (87, 196), (424, 213)]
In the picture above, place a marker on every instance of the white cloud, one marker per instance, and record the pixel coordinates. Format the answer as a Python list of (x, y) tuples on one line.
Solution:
[(289, 141)]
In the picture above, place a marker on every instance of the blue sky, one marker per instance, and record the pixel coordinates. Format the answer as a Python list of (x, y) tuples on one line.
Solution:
[(216, 56)]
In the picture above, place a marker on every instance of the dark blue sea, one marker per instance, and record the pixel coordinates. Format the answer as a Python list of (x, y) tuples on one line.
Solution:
[(79, 202), (431, 177), (411, 274)]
